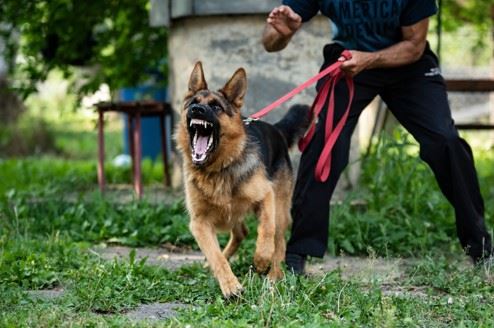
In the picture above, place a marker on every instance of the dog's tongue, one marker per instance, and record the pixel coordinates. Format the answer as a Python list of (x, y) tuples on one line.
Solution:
[(201, 144)]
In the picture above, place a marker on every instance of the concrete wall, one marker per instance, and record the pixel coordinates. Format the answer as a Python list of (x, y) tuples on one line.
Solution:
[(224, 44)]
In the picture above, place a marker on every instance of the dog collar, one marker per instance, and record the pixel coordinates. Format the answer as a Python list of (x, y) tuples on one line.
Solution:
[(249, 120)]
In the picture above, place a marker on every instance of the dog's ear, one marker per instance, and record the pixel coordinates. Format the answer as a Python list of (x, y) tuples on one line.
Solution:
[(197, 81), (235, 89)]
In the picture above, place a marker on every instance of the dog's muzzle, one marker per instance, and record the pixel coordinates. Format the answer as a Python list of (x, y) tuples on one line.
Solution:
[(202, 131)]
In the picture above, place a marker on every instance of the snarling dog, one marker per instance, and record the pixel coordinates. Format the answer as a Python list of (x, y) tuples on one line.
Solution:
[(231, 169)]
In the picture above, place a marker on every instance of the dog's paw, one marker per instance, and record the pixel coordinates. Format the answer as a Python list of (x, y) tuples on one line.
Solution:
[(262, 263), (231, 288), (275, 274)]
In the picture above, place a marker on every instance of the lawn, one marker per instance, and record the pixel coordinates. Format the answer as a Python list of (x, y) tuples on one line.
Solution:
[(52, 218)]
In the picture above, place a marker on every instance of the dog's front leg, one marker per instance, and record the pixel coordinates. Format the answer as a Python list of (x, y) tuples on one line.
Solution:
[(205, 236), (265, 233)]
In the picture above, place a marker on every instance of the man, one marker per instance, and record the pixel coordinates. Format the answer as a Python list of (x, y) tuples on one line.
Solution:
[(390, 58)]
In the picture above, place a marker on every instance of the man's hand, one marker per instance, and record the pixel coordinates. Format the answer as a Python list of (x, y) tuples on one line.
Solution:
[(360, 61), (281, 25), (284, 20)]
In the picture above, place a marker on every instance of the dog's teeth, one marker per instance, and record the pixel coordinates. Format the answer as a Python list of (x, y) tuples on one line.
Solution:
[(195, 140), (210, 142), (195, 121)]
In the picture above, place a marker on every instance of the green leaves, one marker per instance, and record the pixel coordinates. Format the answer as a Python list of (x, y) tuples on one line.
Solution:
[(476, 12), (406, 213), (35, 263), (113, 37), (134, 224)]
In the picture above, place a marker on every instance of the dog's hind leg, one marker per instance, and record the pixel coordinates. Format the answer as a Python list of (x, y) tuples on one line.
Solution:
[(237, 235), (265, 233), (283, 219), (205, 236)]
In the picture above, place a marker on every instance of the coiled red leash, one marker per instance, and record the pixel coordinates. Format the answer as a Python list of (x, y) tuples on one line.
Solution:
[(334, 72)]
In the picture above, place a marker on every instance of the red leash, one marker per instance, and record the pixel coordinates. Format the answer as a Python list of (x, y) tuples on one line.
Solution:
[(323, 167)]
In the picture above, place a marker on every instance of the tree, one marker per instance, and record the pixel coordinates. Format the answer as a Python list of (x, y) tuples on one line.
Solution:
[(113, 37), (477, 13)]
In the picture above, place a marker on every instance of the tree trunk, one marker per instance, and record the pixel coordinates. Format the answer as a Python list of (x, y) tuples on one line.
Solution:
[(11, 106)]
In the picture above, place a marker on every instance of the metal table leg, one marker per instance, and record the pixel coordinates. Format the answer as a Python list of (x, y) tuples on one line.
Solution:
[(166, 170), (138, 156), (101, 152)]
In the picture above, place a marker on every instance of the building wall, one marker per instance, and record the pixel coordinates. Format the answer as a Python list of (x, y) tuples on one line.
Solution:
[(224, 44)]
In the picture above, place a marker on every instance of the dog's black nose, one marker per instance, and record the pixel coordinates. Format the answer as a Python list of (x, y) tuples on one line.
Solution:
[(197, 109)]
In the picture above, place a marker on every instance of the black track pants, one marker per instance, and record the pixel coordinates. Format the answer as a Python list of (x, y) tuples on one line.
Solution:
[(416, 95)]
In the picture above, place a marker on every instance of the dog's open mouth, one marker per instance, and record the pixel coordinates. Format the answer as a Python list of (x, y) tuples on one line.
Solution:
[(202, 139)]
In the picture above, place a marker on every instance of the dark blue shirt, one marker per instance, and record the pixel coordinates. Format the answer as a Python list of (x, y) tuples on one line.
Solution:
[(366, 25)]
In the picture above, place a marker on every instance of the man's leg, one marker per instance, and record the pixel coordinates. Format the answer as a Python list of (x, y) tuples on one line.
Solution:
[(310, 207), (421, 105)]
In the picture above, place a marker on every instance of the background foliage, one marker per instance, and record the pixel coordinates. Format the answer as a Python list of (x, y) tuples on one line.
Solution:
[(477, 14), (460, 12), (112, 39)]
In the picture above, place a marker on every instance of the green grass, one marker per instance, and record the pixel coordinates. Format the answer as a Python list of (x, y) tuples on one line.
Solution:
[(51, 217), (50, 175), (99, 292), (406, 213), (133, 224)]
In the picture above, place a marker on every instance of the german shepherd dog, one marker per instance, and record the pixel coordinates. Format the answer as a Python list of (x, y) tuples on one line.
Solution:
[(231, 169)]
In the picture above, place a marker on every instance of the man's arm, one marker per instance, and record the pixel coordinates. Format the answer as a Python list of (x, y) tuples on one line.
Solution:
[(281, 25), (407, 51)]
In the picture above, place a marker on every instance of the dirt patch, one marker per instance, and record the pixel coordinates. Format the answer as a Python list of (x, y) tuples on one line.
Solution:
[(155, 311), (119, 194), (154, 194), (46, 294), (170, 260), (401, 291), (388, 273), (365, 270)]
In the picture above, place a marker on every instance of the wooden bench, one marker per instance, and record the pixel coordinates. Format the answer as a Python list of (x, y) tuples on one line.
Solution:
[(471, 85)]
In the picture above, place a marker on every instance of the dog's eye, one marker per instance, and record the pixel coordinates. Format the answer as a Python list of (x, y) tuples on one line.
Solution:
[(215, 106)]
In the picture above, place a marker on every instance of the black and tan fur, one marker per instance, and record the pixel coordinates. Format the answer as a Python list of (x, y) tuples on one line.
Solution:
[(242, 169)]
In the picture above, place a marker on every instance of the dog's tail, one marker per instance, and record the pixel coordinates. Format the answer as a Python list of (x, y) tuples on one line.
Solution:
[(294, 124)]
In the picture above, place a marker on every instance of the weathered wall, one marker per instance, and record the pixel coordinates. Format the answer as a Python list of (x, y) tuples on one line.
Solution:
[(225, 43)]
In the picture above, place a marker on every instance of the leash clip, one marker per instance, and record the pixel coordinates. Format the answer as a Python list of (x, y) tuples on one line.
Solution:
[(249, 120)]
